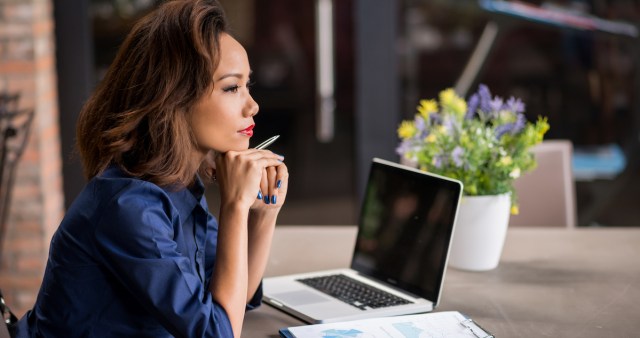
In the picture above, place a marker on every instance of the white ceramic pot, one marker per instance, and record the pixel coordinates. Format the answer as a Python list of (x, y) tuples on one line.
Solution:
[(480, 232)]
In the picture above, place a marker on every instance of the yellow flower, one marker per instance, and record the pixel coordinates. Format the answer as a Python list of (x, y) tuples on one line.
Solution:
[(427, 107), (459, 107), (430, 139), (515, 210), (543, 129), (449, 98), (407, 129), (506, 160)]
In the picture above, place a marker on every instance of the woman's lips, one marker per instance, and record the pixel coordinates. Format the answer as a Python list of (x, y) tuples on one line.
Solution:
[(248, 131)]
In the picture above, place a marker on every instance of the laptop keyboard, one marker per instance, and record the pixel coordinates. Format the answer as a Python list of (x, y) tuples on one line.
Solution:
[(353, 292)]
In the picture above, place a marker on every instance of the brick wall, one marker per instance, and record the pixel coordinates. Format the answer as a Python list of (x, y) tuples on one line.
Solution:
[(27, 65)]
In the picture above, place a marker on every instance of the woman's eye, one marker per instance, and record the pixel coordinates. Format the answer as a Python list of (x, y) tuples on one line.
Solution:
[(231, 89)]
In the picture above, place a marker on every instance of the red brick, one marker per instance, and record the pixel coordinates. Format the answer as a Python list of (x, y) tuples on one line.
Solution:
[(17, 67), (15, 30), (19, 49), (31, 264), (27, 64), (26, 245), (44, 63), (44, 27), (21, 84), (18, 12)]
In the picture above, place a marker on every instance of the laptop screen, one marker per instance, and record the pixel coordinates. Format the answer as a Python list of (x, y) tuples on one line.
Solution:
[(406, 224)]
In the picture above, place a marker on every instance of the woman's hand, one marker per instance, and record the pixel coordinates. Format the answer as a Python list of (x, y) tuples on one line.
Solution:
[(273, 188), (244, 175)]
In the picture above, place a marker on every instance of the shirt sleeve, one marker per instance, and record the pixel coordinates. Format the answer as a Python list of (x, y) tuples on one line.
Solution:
[(135, 240)]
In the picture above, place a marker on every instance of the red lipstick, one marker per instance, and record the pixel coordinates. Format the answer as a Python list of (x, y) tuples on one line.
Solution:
[(248, 130)]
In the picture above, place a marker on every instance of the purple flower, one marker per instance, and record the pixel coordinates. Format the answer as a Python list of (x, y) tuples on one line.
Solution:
[(485, 98), (511, 128), (496, 104), (435, 118), (472, 106), (403, 148), (503, 129), (515, 105), (420, 125), (456, 156), (520, 123), (438, 161), (451, 125)]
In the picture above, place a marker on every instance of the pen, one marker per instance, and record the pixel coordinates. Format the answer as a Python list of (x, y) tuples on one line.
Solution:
[(268, 142), (263, 145), (475, 329)]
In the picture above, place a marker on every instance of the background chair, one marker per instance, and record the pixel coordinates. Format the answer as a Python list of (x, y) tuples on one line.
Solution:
[(547, 194)]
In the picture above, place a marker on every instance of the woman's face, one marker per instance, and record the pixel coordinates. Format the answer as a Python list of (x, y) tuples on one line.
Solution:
[(222, 119)]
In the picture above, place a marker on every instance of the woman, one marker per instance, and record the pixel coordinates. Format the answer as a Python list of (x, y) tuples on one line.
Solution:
[(138, 254)]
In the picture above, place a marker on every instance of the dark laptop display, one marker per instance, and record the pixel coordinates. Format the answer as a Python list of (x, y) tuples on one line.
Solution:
[(406, 226)]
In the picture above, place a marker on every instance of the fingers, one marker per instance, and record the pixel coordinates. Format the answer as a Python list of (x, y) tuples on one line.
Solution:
[(252, 173), (273, 180), (272, 198), (264, 187), (255, 154)]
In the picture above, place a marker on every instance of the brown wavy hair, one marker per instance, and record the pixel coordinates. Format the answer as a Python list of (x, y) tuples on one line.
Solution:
[(138, 116)]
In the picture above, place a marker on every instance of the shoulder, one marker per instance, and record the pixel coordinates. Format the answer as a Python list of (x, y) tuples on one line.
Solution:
[(119, 199), (136, 215), (113, 185)]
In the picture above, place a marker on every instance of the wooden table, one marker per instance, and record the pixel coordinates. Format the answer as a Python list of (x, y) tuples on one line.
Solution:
[(550, 282)]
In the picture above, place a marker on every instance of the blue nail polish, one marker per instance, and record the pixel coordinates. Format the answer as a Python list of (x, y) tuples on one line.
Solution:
[(266, 199), (259, 194), (273, 199), (279, 184)]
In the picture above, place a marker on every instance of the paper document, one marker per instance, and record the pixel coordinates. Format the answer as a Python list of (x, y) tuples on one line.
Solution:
[(448, 324)]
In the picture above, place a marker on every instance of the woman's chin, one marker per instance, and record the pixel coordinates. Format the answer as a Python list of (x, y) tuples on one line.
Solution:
[(241, 146)]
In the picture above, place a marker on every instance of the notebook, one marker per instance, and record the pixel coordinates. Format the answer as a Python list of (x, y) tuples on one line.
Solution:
[(400, 257)]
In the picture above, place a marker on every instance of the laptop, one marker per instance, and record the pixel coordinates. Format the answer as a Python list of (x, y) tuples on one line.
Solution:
[(400, 257)]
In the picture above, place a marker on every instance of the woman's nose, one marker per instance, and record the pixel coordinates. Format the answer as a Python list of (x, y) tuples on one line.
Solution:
[(252, 107)]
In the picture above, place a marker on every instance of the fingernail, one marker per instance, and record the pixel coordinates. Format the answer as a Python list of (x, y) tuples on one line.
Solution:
[(273, 199), (266, 199), (259, 194), (279, 184)]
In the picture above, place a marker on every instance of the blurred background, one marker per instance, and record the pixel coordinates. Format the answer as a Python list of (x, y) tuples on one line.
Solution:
[(334, 78), (583, 80)]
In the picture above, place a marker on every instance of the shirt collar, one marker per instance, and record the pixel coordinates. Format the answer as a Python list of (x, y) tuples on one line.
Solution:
[(185, 199)]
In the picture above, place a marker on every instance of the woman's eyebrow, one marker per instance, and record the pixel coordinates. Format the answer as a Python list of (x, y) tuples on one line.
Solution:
[(238, 75)]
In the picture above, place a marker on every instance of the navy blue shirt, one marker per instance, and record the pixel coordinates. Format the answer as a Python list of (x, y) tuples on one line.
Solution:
[(131, 259)]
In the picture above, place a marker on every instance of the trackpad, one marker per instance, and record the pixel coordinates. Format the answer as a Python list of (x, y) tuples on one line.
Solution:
[(302, 297)]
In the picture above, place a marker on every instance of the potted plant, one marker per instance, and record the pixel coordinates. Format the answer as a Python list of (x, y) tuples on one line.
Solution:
[(485, 143)]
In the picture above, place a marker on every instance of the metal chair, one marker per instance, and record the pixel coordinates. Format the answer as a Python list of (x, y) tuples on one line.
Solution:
[(14, 131)]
